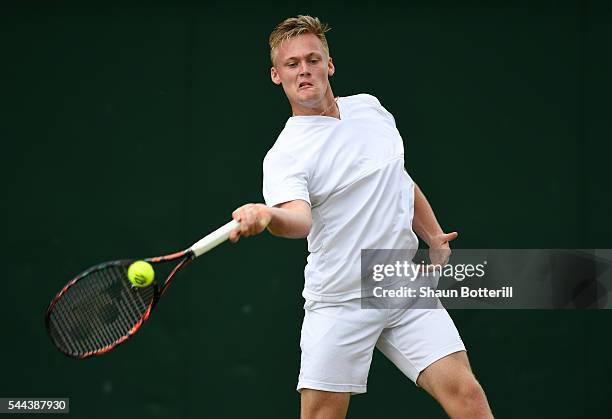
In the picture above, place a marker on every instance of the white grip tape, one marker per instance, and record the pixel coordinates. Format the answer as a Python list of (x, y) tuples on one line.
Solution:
[(214, 239)]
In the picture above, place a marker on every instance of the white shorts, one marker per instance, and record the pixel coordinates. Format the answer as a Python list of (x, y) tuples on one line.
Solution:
[(338, 341)]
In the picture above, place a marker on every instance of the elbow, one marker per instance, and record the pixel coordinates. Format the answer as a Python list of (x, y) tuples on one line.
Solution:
[(305, 230), (305, 226), (292, 220), (300, 231)]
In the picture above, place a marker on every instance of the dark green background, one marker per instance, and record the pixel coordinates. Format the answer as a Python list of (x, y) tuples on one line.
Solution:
[(130, 130)]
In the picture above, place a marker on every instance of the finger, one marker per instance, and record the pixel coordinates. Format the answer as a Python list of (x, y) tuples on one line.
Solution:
[(234, 235), (257, 220), (247, 222), (451, 236), (436, 268), (254, 230), (261, 219), (441, 261), (237, 212)]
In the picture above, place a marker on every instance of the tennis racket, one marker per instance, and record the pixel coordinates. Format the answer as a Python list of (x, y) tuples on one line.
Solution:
[(100, 308)]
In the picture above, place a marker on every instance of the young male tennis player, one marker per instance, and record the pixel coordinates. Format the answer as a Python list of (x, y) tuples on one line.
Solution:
[(336, 175)]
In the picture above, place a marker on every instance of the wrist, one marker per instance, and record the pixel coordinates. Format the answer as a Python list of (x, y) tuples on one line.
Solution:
[(270, 213)]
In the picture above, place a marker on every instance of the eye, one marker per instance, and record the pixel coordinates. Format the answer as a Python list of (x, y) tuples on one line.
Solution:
[(314, 61), (291, 65)]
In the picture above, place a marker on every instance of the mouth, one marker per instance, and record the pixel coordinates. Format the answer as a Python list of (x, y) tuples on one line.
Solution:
[(304, 85)]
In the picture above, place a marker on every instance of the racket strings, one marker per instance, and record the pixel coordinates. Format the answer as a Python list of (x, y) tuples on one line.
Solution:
[(98, 310), (74, 333), (74, 322)]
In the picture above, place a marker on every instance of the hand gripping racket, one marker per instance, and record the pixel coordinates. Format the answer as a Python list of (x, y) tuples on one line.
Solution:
[(100, 308)]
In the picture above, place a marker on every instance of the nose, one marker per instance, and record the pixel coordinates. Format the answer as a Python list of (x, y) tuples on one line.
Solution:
[(303, 69)]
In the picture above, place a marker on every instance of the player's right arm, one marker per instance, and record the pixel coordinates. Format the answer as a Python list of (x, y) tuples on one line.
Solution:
[(290, 219)]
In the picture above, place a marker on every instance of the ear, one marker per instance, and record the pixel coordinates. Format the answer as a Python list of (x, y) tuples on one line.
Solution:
[(274, 76), (330, 67)]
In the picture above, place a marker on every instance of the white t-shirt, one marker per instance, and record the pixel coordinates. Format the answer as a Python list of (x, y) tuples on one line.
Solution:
[(351, 172)]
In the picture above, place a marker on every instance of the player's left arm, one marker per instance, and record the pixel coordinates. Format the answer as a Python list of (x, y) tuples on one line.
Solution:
[(426, 226)]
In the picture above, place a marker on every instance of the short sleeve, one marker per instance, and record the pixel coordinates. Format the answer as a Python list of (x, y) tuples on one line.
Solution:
[(382, 109), (284, 179)]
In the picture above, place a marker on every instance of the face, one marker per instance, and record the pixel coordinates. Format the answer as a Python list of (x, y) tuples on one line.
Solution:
[(302, 67)]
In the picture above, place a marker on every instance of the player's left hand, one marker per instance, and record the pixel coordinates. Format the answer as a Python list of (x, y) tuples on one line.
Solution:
[(439, 248)]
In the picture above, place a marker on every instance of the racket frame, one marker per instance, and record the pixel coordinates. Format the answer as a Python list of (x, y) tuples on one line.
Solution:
[(185, 257)]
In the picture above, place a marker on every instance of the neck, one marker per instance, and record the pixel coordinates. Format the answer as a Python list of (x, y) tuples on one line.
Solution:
[(326, 107)]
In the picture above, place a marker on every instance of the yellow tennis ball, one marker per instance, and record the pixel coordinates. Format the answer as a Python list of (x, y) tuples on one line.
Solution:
[(141, 273)]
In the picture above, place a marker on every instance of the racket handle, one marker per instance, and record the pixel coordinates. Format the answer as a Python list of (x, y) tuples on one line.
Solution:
[(214, 239)]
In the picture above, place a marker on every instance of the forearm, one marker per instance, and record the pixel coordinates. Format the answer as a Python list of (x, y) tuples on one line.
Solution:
[(291, 220), (424, 222)]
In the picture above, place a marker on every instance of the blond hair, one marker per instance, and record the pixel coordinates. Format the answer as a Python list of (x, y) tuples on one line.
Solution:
[(294, 26)]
